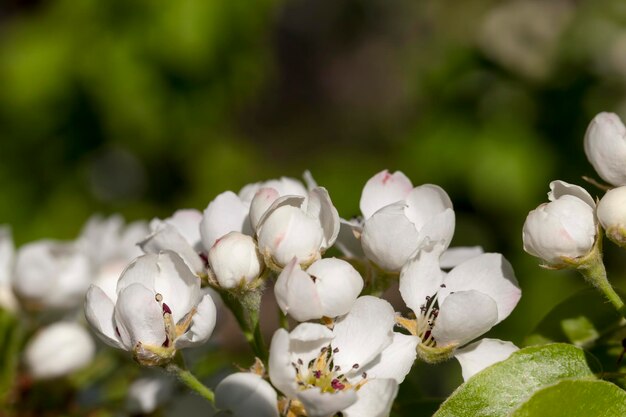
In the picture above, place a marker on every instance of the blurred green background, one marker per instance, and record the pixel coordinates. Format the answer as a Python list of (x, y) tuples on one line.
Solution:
[(146, 106)]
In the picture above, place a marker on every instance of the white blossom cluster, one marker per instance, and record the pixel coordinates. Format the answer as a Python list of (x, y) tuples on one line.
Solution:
[(347, 349), (566, 232)]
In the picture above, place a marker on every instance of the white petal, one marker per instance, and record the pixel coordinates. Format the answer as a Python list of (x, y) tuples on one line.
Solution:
[(479, 355), (455, 256), (58, 350), (226, 213), (235, 260), (605, 146), (138, 317), (262, 201), (464, 316), (363, 333), (425, 202), (421, 277), (307, 339), (389, 238), (395, 361), (202, 324), (560, 188), (375, 399), (7, 255), (325, 404), (167, 237), (284, 186), (321, 207), (246, 394), (611, 213), (490, 274), (99, 314), (384, 189), (337, 284), (296, 293), (179, 287), (296, 201), (147, 393), (280, 371), (187, 222), (347, 241)]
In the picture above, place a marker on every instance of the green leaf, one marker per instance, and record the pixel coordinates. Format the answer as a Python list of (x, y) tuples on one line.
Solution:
[(580, 319), (499, 389), (575, 398)]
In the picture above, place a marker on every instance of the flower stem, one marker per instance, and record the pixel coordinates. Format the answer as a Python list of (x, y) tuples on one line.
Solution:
[(191, 381), (245, 307), (595, 274)]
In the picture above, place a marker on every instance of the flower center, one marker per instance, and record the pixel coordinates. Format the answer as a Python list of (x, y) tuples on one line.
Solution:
[(322, 373)]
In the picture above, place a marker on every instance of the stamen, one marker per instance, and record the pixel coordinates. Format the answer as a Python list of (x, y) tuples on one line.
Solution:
[(355, 366), (336, 384)]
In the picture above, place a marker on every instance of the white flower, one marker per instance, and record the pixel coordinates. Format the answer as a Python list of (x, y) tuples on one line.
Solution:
[(51, 274), (453, 309), (612, 214), (246, 394), (7, 260), (399, 219), (181, 234), (328, 288), (282, 185), (58, 350), (354, 368), (605, 146), (481, 354), (235, 260), (563, 229), (296, 226), (159, 308), (147, 393)]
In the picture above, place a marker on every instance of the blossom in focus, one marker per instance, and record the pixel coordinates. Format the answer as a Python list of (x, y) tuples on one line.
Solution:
[(328, 288), (181, 234), (355, 367), (235, 261), (612, 214), (398, 219), (481, 354), (51, 274), (58, 349), (247, 394), (296, 226), (455, 308), (563, 229), (158, 308), (605, 147)]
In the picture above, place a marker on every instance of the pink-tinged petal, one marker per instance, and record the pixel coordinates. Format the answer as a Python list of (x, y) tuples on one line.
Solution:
[(167, 237), (296, 293), (99, 314), (363, 333), (226, 213), (456, 256), (559, 189), (284, 186), (202, 324), (421, 277), (395, 361), (262, 201), (337, 284), (375, 399), (187, 222), (281, 372), (384, 189), (479, 355), (490, 274), (138, 317), (296, 201), (246, 394), (321, 207), (389, 238), (178, 286), (325, 404), (349, 239), (464, 316)]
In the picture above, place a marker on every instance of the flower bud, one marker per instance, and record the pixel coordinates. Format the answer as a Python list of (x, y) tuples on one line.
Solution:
[(58, 350), (328, 288), (234, 260), (605, 146), (262, 201), (612, 215), (564, 229)]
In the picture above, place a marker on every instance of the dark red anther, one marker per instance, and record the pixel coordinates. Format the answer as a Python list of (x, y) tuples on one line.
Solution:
[(117, 332), (336, 384), (317, 374), (427, 335), (166, 309)]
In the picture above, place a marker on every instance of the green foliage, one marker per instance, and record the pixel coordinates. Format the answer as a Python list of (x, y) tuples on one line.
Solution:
[(499, 389), (10, 344), (575, 398)]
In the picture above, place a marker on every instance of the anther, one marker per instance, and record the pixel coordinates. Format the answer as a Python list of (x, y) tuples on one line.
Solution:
[(158, 297), (355, 366), (335, 350), (364, 375), (300, 361), (443, 285)]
